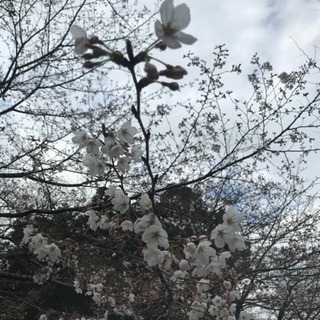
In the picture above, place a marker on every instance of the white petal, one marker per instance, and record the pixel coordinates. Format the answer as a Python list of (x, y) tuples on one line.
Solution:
[(159, 29), (167, 11), (171, 42), (181, 17), (184, 37), (78, 32), (81, 45)]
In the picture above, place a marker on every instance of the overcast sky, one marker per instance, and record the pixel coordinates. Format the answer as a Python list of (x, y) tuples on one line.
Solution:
[(275, 29), (268, 27)]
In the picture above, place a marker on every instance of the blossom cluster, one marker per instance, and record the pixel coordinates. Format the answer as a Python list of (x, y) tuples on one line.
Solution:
[(200, 259), (194, 262), (118, 147), (226, 233), (220, 307), (38, 244)]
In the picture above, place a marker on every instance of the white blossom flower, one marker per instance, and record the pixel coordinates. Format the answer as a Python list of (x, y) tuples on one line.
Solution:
[(173, 20), (104, 223), (178, 274), (224, 313), (93, 220), (184, 265), (53, 251), (136, 153), (189, 251), (233, 219), (221, 234), (214, 266), (141, 224), (204, 251), (236, 242), (227, 284), (127, 132), (120, 201), (154, 236), (27, 231), (77, 287), (37, 241), (82, 42), (244, 315), (145, 202), (131, 297), (41, 252), (112, 147), (218, 301), (81, 138), (127, 225), (233, 308), (110, 191), (123, 164), (203, 285), (234, 295), (213, 310), (167, 259), (93, 146), (95, 166), (153, 257)]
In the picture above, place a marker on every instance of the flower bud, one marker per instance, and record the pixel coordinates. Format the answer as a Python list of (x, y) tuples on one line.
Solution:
[(90, 65), (151, 70), (95, 40), (98, 52), (174, 86), (176, 72), (161, 45)]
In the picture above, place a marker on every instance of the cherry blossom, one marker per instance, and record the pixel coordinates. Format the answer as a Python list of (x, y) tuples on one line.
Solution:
[(204, 251), (244, 315), (93, 220), (81, 138), (233, 219), (141, 224), (82, 42), (123, 164), (173, 20), (28, 230), (154, 236), (120, 201), (96, 166), (184, 265), (221, 234), (203, 285), (153, 257), (110, 191), (236, 243), (53, 252), (112, 147), (93, 146), (126, 225), (136, 153), (127, 132), (145, 202), (167, 259)]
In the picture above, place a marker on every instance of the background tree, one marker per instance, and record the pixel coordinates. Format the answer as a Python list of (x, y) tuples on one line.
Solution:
[(190, 171)]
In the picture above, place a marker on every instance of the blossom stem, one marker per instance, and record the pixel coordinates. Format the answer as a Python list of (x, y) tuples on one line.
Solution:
[(146, 135)]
